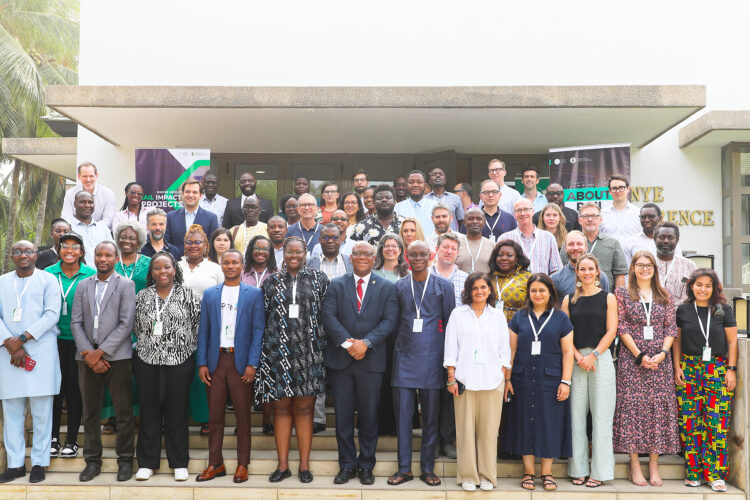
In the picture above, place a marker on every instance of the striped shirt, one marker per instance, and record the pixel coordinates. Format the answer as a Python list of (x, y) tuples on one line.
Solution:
[(540, 248), (457, 279)]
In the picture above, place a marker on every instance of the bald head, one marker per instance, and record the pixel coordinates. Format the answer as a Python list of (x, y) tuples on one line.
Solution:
[(307, 207), (83, 206), (23, 253), (555, 193)]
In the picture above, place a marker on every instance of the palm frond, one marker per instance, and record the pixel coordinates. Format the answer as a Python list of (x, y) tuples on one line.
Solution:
[(18, 72)]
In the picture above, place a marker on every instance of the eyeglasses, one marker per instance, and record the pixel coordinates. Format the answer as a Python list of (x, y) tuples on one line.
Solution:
[(28, 252), (329, 238), (555, 193), (648, 216), (294, 252), (339, 219), (361, 254), (523, 210), (138, 195), (459, 191), (261, 249), (250, 208), (589, 216), (496, 170), (392, 247), (306, 205), (70, 246), (644, 267), (617, 189), (193, 243), (330, 192), (490, 192)]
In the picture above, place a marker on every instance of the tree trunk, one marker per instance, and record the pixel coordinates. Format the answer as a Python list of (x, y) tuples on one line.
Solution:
[(41, 212), (11, 236)]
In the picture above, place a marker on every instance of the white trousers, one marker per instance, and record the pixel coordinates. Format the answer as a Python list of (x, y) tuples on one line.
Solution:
[(14, 430)]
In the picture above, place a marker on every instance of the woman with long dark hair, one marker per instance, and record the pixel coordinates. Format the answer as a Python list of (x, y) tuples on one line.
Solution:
[(541, 344), (221, 241), (260, 261), (390, 258), (705, 367), (646, 405), (352, 206), (132, 207), (329, 192)]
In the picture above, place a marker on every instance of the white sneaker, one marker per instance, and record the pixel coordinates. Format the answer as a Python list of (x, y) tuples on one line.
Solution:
[(181, 474), (468, 486), (486, 485), (143, 474)]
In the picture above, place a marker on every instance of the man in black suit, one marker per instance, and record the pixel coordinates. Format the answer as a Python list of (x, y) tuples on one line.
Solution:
[(178, 221), (233, 213), (359, 312)]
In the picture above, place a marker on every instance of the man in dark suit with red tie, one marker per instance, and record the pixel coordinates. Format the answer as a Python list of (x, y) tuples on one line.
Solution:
[(359, 312)]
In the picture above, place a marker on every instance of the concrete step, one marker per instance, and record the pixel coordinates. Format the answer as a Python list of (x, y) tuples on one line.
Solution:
[(325, 440), (65, 485), (325, 462)]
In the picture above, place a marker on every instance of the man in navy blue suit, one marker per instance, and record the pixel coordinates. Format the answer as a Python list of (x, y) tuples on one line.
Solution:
[(229, 344), (359, 311), (426, 301), (178, 221)]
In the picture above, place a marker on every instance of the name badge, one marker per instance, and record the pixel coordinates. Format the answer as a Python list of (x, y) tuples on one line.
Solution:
[(17, 314), (648, 333), (229, 332), (492, 238), (417, 326), (293, 311), (500, 305), (64, 308), (478, 357), (158, 328), (536, 347), (96, 322), (706, 353)]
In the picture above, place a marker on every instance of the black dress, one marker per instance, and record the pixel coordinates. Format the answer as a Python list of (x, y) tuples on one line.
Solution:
[(538, 424)]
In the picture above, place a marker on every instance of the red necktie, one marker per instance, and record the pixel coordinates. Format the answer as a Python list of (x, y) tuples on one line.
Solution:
[(360, 294)]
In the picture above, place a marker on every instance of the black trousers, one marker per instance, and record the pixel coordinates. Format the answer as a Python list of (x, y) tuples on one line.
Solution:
[(69, 390), (118, 380), (446, 418), (164, 397)]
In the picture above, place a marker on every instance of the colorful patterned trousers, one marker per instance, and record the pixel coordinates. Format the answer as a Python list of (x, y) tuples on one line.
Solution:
[(705, 407)]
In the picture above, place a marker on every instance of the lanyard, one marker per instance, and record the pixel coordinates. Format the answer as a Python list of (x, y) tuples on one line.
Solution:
[(19, 297), (258, 280), (666, 275), (307, 241), (414, 297), (591, 250), (98, 303), (707, 331), (160, 309), (124, 272), (66, 292), (648, 310), (533, 329), (492, 227), (499, 291), (479, 250), (294, 291)]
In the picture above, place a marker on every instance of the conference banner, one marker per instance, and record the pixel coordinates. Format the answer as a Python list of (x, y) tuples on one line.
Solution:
[(583, 171), (161, 172)]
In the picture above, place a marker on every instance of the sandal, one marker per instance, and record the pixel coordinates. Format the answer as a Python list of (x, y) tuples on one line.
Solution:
[(593, 483), (719, 485), (578, 481), (548, 482), (430, 479), (527, 481), (399, 478), (692, 484), (204, 430), (109, 427)]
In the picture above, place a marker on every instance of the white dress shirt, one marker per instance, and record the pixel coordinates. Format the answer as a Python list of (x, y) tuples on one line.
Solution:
[(508, 198), (477, 347), (366, 281), (621, 224), (105, 205), (92, 235), (217, 206), (420, 210)]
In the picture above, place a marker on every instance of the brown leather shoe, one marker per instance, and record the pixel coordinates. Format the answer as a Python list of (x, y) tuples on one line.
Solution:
[(240, 475), (211, 472)]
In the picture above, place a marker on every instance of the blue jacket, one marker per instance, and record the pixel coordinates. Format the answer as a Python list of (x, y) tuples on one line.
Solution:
[(176, 229), (249, 326), (375, 321)]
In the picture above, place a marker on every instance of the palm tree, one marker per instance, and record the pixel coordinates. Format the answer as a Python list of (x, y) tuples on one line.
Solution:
[(38, 47)]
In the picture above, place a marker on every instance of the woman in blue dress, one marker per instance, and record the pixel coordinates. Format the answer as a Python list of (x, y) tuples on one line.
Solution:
[(541, 343)]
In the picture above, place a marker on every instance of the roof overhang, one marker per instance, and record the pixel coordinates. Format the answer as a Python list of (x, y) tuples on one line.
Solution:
[(55, 154), (517, 119), (717, 128)]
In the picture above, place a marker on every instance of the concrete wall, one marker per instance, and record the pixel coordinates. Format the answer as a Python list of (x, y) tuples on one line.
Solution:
[(142, 42)]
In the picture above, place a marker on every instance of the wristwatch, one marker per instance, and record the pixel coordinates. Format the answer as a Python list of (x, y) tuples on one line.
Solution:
[(23, 338), (666, 353), (367, 343), (566, 382), (596, 354), (733, 368)]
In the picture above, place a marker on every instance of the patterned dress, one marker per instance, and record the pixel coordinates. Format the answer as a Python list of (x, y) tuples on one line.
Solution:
[(646, 408), (291, 362), (514, 296)]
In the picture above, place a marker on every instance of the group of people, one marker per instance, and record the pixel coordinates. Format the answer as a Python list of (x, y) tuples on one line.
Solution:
[(395, 300)]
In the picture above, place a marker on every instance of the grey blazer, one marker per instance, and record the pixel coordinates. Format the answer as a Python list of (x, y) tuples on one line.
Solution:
[(116, 317)]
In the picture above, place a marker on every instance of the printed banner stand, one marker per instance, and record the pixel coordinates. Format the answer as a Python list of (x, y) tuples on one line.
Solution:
[(161, 172)]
